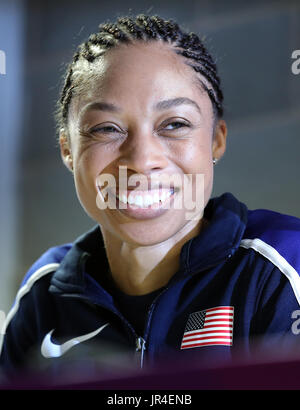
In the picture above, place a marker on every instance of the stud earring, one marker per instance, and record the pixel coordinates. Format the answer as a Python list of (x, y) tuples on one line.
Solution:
[(70, 160), (215, 160)]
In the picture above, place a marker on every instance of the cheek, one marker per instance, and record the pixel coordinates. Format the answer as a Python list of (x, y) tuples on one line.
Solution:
[(88, 164), (196, 157), (91, 161), (196, 161)]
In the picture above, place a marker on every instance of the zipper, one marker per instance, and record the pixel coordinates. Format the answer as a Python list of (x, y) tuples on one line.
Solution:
[(140, 342), (141, 347)]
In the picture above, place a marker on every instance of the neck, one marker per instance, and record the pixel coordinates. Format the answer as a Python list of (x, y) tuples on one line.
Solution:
[(139, 270)]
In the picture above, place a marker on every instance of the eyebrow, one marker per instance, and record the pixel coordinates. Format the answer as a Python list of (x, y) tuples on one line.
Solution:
[(101, 106), (175, 102), (160, 106)]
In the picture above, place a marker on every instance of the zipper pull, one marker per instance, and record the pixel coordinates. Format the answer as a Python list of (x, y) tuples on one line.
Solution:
[(140, 347)]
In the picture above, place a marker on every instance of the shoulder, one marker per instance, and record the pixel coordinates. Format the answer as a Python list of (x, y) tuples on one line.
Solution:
[(273, 226), (42, 269), (54, 262), (276, 236), (47, 263), (39, 275), (274, 231)]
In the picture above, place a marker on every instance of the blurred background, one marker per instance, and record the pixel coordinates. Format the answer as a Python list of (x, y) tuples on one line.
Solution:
[(252, 43)]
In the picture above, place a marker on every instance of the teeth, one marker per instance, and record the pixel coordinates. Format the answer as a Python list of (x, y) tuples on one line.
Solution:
[(123, 198), (163, 196), (138, 200), (148, 200), (155, 198), (130, 199), (145, 201)]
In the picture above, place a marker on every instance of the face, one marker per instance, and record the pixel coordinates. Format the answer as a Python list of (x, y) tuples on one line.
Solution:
[(144, 115)]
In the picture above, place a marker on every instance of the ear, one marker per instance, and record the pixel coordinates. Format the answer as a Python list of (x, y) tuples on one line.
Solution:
[(65, 150), (219, 140)]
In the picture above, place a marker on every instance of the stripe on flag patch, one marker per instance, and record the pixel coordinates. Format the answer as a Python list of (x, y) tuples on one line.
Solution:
[(209, 327)]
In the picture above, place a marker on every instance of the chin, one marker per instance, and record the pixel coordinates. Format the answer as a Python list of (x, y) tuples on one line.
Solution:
[(146, 238)]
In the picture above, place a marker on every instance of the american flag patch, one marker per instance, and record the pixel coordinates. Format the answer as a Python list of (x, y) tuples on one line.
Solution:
[(209, 327)]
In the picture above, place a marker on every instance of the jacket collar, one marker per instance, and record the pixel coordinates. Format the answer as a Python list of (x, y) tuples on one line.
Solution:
[(227, 221)]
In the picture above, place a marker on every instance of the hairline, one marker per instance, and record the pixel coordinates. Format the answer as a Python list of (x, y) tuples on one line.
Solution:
[(200, 81)]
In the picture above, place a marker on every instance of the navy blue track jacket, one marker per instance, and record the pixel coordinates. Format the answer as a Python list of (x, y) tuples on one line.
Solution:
[(238, 283)]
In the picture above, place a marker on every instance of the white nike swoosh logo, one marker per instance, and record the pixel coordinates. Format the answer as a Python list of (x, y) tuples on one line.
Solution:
[(50, 349)]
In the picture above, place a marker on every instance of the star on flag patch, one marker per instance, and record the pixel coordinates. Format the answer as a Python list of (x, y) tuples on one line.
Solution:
[(208, 327)]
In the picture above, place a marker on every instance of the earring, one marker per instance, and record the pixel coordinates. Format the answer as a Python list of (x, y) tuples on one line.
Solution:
[(70, 160), (215, 160)]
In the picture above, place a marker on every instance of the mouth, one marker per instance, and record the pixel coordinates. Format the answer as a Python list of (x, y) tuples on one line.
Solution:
[(145, 199), (145, 204)]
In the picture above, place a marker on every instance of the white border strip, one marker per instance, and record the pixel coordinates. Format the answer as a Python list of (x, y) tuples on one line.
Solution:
[(272, 255), (44, 270)]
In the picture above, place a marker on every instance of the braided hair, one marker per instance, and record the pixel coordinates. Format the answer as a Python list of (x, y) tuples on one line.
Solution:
[(143, 28)]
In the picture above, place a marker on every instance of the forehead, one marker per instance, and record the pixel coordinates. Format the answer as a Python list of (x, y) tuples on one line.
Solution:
[(141, 73)]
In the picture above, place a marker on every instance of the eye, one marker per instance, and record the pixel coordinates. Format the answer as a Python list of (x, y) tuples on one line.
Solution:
[(106, 129), (175, 125), (105, 132), (175, 128)]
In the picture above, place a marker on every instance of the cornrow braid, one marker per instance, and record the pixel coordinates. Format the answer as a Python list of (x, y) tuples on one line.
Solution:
[(143, 28)]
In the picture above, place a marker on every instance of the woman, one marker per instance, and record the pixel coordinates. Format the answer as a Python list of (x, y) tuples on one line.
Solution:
[(162, 274)]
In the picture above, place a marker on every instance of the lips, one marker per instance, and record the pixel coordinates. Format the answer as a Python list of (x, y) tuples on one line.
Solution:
[(143, 199), (140, 209), (138, 204)]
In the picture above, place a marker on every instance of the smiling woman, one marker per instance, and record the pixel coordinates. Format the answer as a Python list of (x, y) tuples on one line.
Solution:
[(150, 118), (167, 270)]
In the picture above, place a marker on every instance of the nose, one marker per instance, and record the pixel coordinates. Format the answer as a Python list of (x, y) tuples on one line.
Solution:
[(143, 153)]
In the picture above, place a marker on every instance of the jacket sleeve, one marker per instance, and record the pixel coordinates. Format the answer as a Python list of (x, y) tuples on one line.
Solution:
[(276, 237), (20, 329), (18, 335), (276, 322)]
